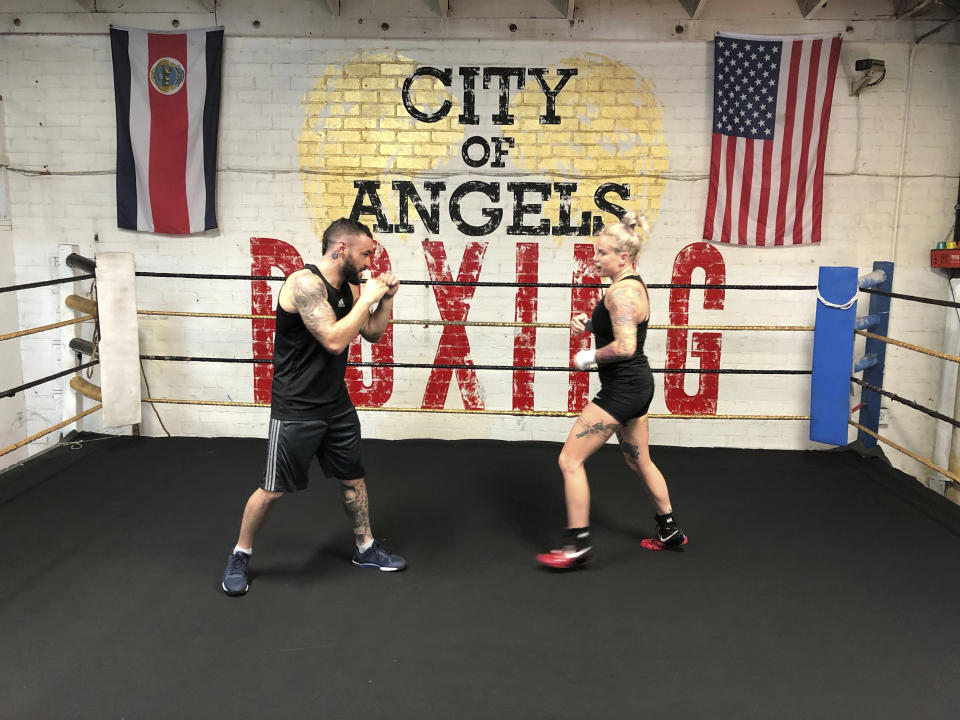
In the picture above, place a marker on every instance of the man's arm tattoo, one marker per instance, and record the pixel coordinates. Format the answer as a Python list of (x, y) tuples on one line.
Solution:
[(310, 297)]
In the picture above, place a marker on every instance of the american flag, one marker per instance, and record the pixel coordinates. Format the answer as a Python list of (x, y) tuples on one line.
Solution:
[(771, 109)]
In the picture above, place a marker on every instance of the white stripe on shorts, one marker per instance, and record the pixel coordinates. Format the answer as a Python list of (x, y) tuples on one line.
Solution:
[(270, 475)]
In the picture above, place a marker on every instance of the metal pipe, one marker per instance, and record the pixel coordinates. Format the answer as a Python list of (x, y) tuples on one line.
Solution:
[(79, 262), (84, 347), (866, 322), (865, 361)]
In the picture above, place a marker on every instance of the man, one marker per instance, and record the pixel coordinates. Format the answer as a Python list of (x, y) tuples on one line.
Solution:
[(320, 310)]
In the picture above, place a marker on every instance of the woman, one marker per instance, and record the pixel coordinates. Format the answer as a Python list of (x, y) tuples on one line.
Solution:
[(619, 324)]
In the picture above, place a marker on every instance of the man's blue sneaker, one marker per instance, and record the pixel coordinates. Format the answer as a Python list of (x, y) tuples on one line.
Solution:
[(378, 557), (235, 576)]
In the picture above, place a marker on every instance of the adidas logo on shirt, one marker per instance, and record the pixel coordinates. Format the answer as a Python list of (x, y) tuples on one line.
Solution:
[(340, 304)]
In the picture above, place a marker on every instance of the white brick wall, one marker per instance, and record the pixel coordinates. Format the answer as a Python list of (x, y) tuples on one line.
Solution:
[(60, 118)]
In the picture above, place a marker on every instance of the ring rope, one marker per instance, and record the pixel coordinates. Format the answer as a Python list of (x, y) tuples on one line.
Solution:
[(915, 298), (908, 346), (457, 283), (953, 478), (522, 413), (492, 323), (26, 386), (45, 283), (31, 331), (450, 366), (909, 403), (49, 430)]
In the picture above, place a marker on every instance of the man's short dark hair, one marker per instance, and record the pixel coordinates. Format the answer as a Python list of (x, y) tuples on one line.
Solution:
[(343, 226)]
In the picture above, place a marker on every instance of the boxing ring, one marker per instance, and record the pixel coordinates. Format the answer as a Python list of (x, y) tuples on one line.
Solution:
[(816, 584)]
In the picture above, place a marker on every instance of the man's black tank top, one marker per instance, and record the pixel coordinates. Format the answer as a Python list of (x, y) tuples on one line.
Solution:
[(626, 369), (307, 379)]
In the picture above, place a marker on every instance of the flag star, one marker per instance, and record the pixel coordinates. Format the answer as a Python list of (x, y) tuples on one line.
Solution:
[(767, 131)]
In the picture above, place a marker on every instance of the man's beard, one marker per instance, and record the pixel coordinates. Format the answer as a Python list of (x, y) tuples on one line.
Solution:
[(351, 272)]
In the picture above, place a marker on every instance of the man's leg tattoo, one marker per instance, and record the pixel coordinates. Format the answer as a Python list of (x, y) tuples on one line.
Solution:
[(358, 510)]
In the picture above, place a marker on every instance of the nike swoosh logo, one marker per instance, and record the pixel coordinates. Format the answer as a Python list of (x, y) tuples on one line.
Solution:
[(664, 539), (577, 553)]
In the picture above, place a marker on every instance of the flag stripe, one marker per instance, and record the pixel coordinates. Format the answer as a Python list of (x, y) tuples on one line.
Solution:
[(126, 168), (786, 172), (810, 107), (196, 90), (168, 149), (708, 221), (745, 197), (730, 159), (822, 140), (140, 125), (763, 205), (211, 124)]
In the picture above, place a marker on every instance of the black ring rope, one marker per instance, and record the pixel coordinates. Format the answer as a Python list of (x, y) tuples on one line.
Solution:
[(908, 403), (452, 283), (13, 391), (525, 368), (44, 283), (915, 298)]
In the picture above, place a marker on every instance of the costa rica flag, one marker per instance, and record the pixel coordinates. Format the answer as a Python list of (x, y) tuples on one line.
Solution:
[(167, 90)]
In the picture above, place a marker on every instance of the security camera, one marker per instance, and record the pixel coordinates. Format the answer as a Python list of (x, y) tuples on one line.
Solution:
[(868, 64), (873, 72)]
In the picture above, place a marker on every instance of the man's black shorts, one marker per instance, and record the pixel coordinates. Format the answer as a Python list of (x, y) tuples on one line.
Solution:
[(335, 442)]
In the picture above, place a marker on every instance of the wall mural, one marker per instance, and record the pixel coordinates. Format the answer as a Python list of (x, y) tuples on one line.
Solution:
[(469, 155)]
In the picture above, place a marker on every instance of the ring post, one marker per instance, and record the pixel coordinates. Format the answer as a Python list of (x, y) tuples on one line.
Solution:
[(119, 342), (832, 354), (879, 306)]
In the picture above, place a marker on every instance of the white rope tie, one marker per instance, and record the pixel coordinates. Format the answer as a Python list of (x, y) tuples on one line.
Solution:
[(840, 306)]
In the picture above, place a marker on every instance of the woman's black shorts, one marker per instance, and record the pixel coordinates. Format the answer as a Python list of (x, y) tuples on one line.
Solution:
[(626, 398)]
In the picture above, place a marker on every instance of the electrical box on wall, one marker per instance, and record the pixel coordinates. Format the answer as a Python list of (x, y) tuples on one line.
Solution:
[(945, 258)]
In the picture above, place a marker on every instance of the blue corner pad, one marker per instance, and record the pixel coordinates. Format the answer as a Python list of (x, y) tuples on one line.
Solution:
[(837, 290)]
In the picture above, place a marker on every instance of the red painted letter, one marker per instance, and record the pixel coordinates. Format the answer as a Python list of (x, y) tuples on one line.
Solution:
[(266, 254), (582, 300), (378, 392), (453, 301), (705, 345), (525, 339)]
